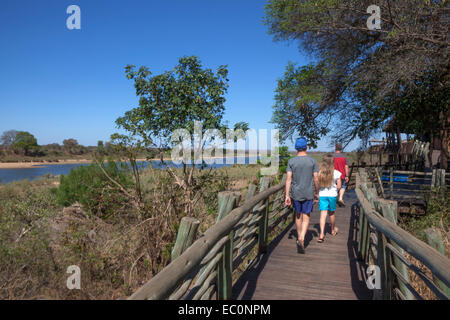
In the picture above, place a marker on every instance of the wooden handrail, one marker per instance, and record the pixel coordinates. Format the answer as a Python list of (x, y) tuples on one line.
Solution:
[(168, 279), (436, 262)]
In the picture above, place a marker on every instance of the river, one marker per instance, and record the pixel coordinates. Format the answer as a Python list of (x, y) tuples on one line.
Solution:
[(9, 175)]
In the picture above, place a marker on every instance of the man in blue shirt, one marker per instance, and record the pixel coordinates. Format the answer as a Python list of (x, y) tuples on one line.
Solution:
[(302, 176)]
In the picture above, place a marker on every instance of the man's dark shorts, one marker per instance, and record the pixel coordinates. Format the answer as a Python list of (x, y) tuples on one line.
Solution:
[(344, 184), (305, 206)]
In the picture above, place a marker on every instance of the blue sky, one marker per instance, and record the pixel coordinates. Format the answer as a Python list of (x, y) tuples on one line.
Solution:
[(58, 83)]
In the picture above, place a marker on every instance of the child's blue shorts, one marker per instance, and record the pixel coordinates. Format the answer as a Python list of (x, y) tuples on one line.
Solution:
[(305, 206), (327, 203)]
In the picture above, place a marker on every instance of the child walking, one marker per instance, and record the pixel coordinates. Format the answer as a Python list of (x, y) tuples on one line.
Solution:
[(329, 183)]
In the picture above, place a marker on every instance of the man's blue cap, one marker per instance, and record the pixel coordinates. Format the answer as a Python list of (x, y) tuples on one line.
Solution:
[(300, 143)]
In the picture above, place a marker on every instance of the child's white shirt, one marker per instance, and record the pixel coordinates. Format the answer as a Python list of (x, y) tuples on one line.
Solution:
[(331, 191)]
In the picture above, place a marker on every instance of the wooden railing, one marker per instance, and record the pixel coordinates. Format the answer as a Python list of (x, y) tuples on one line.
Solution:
[(382, 243), (205, 269), (416, 182)]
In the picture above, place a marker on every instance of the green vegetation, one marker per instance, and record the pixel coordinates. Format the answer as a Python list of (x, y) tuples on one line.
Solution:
[(25, 142), (17, 146), (93, 188), (363, 78), (118, 245), (188, 98), (437, 216)]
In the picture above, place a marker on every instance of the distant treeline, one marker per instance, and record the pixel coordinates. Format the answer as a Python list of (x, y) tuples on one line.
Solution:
[(22, 145)]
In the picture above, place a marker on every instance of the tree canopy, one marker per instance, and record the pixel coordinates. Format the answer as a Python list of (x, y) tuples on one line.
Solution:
[(361, 77), (180, 98), (174, 100), (25, 142)]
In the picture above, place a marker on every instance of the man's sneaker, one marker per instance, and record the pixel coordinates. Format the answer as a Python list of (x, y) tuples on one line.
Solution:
[(300, 247)]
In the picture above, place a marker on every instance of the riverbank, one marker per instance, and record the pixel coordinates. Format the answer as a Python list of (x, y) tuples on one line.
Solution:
[(37, 164), (25, 165)]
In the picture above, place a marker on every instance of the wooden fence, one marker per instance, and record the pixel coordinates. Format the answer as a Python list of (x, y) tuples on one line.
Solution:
[(409, 186), (382, 243), (205, 269)]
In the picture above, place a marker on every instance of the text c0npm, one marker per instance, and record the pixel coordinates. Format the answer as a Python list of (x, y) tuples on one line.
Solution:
[(245, 309)]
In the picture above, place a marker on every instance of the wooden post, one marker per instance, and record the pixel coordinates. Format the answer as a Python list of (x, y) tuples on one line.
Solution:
[(363, 235), (387, 294), (438, 178), (391, 183), (360, 230), (381, 261), (250, 192), (227, 202), (443, 183), (278, 196), (434, 239), (185, 236), (433, 179), (361, 219), (366, 240), (350, 174), (389, 211), (264, 222), (380, 182)]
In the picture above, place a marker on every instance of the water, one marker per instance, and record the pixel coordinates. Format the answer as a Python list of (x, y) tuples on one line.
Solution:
[(9, 175)]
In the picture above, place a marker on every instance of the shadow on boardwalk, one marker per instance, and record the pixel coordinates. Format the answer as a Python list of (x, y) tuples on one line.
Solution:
[(328, 270)]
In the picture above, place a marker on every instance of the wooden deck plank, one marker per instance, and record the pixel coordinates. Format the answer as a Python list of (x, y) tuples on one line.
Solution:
[(328, 270)]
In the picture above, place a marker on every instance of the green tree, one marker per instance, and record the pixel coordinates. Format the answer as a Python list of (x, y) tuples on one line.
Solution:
[(71, 146), (176, 99), (360, 76), (100, 147), (25, 142)]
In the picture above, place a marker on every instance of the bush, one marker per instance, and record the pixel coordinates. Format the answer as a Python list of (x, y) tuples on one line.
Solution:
[(26, 261), (437, 216), (89, 186)]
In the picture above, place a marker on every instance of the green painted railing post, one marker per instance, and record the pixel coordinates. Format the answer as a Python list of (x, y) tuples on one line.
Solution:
[(381, 261), (389, 211), (360, 232), (434, 239), (387, 293), (185, 236), (443, 182), (365, 239), (264, 222), (433, 179), (227, 202), (250, 192)]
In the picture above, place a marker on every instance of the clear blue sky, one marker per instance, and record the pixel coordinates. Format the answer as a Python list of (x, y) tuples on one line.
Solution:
[(58, 83)]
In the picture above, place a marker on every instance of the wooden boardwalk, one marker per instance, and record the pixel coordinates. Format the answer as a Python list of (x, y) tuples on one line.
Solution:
[(328, 270)]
